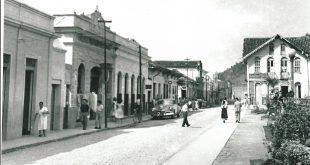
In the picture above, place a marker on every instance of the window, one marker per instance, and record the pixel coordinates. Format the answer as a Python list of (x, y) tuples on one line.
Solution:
[(283, 64), (271, 49), (270, 65), (282, 49), (298, 90), (257, 65), (297, 65)]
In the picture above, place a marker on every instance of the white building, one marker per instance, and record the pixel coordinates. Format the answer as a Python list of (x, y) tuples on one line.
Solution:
[(285, 60)]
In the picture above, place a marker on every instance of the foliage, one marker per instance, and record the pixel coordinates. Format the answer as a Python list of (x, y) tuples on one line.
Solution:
[(292, 152), (274, 103), (272, 81), (293, 124), (236, 74)]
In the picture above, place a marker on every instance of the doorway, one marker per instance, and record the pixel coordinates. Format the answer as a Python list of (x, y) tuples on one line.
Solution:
[(5, 93), (66, 108), (258, 94), (183, 93), (55, 106), (28, 101), (284, 91)]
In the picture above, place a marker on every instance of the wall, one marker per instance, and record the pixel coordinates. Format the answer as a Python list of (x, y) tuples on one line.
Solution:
[(27, 34)]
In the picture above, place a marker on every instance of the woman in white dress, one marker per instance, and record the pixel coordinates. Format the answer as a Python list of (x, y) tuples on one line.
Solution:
[(119, 113), (42, 124)]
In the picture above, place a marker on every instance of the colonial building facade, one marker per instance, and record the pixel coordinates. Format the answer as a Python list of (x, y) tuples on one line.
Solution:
[(33, 70), (83, 37), (277, 62)]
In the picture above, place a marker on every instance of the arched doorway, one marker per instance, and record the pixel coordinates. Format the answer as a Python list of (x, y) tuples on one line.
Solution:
[(94, 79), (119, 86), (132, 91), (126, 95), (81, 79)]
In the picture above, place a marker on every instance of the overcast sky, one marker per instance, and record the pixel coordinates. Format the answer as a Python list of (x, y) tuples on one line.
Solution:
[(208, 30)]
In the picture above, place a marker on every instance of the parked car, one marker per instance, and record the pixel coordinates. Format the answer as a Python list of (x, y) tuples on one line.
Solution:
[(166, 108)]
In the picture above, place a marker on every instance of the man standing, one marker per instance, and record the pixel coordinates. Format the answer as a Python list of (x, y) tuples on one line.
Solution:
[(185, 113), (237, 106), (99, 111), (84, 113)]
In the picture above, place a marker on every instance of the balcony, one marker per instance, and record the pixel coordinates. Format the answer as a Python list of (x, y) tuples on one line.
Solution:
[(272, 75), (285, 75), (258, 76)]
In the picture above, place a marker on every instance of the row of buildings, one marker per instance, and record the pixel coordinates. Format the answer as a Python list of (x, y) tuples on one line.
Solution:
[(59, 59)]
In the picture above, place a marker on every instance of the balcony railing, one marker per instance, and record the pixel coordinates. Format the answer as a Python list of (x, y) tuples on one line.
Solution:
[(258, 76), (285, 75), (272, 75)]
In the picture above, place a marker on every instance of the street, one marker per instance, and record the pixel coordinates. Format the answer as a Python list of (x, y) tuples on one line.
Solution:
[(152, 142)]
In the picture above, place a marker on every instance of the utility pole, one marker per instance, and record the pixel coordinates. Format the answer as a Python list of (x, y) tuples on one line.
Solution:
[(187, 94), (105, 69), (140, 80)]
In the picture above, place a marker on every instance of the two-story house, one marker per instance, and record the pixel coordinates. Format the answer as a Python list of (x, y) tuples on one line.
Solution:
[(284, 61)]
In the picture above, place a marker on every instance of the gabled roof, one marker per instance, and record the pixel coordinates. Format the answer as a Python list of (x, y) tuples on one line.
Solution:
[(252, 45), (179, 64)]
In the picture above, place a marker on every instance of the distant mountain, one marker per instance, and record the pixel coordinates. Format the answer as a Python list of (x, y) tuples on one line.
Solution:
[(236, 74)]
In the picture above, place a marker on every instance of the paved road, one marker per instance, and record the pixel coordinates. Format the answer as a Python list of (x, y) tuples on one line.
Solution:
[(154, 142)]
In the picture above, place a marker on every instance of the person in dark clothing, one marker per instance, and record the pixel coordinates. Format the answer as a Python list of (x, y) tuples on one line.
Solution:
[(185, 113), (84, 113), (224, 106), (137, 108)]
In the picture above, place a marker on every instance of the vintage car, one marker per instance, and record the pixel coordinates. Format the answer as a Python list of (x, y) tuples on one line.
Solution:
[(166, 108)]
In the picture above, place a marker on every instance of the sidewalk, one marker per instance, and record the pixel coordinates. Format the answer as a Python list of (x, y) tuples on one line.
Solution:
[(52, 136), (246, 144)]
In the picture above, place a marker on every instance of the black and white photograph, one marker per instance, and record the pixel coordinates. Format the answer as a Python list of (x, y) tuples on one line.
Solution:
[(155, 82)]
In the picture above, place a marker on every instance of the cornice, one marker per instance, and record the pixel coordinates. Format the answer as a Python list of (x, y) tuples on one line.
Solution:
[(94, 48), (17, 3), (29, 27)]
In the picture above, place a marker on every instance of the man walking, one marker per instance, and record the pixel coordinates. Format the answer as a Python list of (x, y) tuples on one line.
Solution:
[(237, 106), (138, 110), (185, 113), (84, 113)]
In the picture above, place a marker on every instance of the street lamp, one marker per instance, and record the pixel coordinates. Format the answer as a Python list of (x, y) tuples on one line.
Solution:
[(100, 19), (187, 94)]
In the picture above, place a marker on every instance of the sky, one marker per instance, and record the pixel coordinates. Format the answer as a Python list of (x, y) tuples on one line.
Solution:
[(208, 30)]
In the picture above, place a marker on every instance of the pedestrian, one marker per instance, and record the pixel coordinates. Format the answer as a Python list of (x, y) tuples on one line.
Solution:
[(224, 107), (185, 114), (138, 111), (196, 105), (119, 113), (237, 106), (113, 109), (99, 111), (84, 113), (42, 124), (189, 105)]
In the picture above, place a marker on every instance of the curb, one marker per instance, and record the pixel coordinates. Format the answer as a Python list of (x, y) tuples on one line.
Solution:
[(67, 137)]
